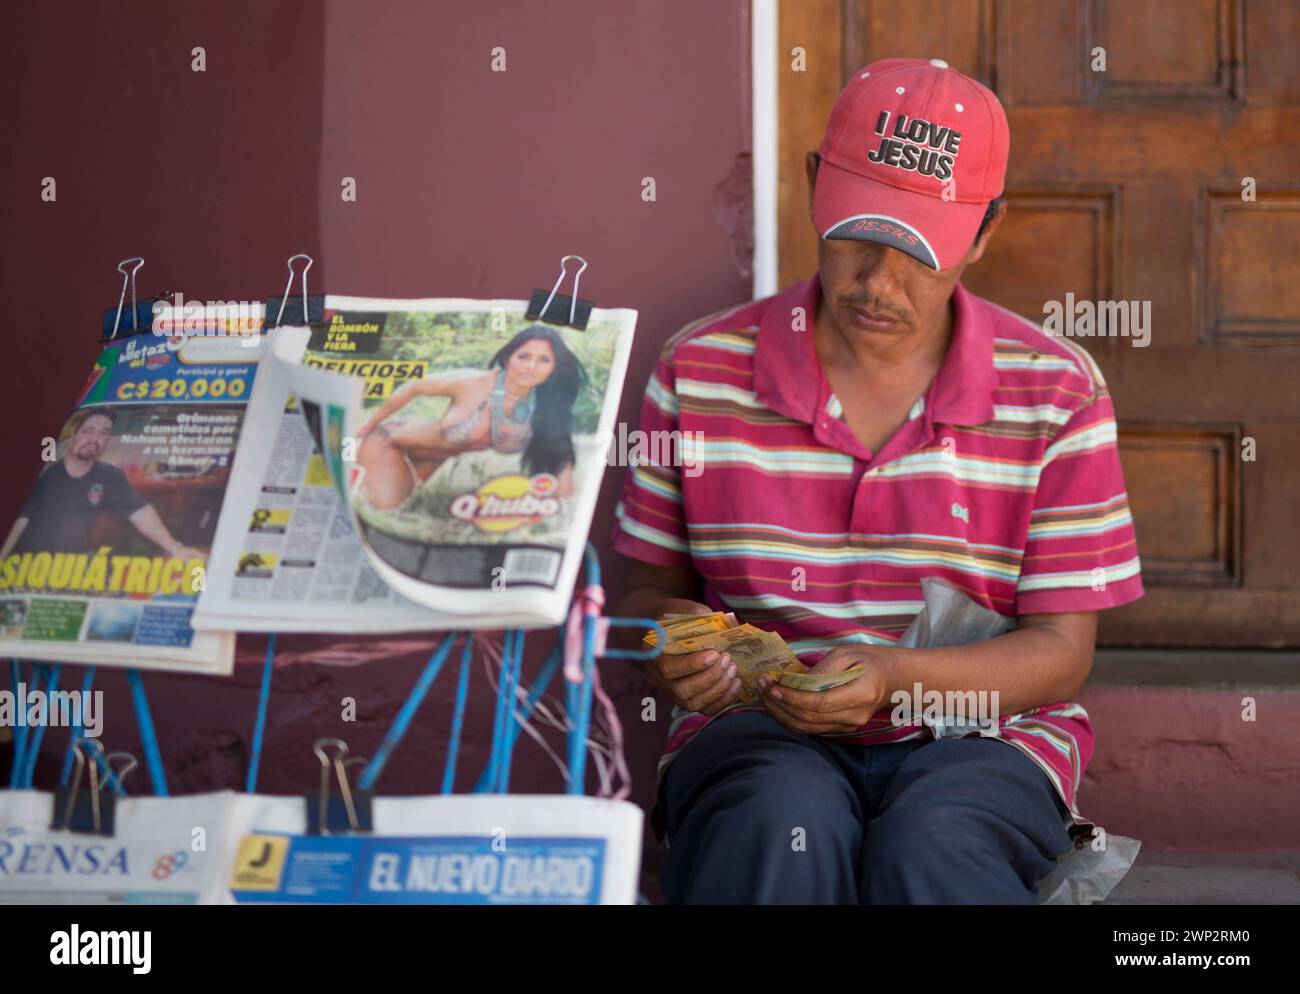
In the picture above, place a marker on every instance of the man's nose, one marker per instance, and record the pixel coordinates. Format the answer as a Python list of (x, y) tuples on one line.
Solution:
[(880, 268)]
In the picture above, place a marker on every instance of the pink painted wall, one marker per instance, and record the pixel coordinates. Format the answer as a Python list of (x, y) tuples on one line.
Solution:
[(211, 176), (470, 183), (1179, 768)]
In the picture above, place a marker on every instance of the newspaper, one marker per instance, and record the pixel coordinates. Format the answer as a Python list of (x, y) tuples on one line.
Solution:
[(286, 557), (151, 857), (466, 444), (109, 552)]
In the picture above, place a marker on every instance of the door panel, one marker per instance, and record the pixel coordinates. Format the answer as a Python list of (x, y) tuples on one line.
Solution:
[(1127, 184)]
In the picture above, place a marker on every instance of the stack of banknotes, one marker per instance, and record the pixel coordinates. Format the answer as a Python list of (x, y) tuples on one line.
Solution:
[(754, 651)]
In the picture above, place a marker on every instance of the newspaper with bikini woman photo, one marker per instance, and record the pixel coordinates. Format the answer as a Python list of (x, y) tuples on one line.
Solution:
[(466, 442)]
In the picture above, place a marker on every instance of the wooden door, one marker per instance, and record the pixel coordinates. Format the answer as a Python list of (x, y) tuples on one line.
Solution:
[(1172, 176)]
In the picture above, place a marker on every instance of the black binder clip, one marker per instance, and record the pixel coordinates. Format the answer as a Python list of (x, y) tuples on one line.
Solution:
[(305, 310), (336, 808), (89, 812), (553, 307)]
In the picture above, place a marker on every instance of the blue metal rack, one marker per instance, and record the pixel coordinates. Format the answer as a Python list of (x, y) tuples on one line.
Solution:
[(507, 720)]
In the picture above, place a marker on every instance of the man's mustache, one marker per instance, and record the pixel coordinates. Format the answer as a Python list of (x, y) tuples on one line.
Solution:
[(867, 304)]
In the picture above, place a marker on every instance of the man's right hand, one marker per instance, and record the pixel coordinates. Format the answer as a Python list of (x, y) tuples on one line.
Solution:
[(704, 681)]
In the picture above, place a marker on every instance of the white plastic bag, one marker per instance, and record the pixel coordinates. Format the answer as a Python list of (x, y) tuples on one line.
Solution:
[(1086, 875)]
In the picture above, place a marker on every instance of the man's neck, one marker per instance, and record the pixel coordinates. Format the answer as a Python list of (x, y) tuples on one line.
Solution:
[(75, 467)]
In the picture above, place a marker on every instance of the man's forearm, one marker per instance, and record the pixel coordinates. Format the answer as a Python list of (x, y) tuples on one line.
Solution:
[(149, 524), (645, 596), (15, 533), (1028, 667), (642, 602)]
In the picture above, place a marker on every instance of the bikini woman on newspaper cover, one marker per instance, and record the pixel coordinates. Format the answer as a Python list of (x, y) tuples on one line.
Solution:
[(523, 402)]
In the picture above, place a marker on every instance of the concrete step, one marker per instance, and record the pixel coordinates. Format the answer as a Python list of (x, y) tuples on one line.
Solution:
[(1210, 878)]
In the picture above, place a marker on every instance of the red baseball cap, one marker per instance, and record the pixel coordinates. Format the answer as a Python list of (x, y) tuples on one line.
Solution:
[(913, 153)]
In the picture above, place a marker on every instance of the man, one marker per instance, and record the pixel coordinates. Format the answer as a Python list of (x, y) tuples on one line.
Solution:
[(869, 427), (69, 497)]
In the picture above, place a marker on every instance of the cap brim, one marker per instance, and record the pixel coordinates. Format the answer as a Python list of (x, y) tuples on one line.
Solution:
[(937, 233)]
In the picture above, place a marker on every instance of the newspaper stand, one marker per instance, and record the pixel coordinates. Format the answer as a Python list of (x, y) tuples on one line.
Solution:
[(338, 811)]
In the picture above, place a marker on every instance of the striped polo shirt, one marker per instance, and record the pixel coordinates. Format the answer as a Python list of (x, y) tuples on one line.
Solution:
[(1005, 481)]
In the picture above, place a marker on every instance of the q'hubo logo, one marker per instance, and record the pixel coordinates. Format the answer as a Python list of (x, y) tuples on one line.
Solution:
[(916, 145), (507, 502)]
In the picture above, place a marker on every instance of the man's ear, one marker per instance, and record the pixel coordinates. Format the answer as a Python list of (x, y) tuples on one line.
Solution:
[(811, 162), (977, 250)]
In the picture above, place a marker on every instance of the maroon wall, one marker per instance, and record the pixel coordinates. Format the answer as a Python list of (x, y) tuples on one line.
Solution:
[(469, 183)]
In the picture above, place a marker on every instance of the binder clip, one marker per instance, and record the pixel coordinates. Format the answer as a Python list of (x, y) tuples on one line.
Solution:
[(303, 310), (90, 812), (338, 807), (140, 317), (552, 308)]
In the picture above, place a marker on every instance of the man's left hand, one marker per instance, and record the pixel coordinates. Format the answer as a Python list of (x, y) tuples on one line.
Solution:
[(842, 709)]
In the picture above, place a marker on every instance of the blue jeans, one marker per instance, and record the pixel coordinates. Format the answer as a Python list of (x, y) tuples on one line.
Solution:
[(757, 814)]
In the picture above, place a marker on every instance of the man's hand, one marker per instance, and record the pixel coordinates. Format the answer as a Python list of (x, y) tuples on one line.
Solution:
[(150, 525), (831, 712), (699, 681)]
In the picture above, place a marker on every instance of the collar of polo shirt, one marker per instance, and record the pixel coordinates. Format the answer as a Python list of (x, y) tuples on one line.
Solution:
[(788, 377)]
